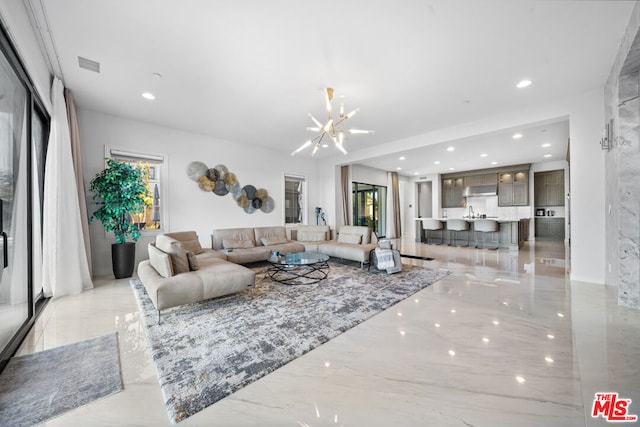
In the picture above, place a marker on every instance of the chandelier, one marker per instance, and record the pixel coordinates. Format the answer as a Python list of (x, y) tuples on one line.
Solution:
[(333, 129)]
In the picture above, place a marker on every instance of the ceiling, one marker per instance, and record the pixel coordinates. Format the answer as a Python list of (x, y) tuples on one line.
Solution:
[(249, 71)]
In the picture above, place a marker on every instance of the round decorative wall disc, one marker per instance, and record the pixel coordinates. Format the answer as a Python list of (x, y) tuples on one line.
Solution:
[(195, 170), (267, 205), (213, 174), (250, 190), (230, 178), (220, 188), (243, 201), (249, 209), (205, 184), (256, 203), (262, 194)]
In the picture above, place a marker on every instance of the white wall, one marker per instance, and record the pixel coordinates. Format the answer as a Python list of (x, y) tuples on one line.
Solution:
[(16, 21), (189, 207)]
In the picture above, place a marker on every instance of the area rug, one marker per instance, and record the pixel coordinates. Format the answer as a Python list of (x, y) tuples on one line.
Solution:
[(205, 351), (40, 386)]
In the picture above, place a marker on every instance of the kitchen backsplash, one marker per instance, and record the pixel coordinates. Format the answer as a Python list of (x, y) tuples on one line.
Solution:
[(488, 205)]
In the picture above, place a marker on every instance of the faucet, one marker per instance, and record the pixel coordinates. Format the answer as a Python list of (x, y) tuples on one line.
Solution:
[(471, 213)]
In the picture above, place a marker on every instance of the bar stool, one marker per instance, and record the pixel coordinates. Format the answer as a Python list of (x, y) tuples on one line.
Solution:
[(456, 225), (486, 226), (430, 224)]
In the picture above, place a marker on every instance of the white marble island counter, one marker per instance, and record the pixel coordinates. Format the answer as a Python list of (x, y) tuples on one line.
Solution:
[(511, 234)]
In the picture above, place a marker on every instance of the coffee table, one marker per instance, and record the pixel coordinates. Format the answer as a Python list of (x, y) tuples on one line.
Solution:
[(298, 268)]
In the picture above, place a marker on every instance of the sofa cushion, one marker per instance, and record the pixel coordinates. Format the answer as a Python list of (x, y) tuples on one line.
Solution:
[(278, 231), (222, 234), (175, 250), (237, 244), (357, 229), (350, 238), (160, 261), (189, 240), (276, 240), (192, 260), (311, 236)]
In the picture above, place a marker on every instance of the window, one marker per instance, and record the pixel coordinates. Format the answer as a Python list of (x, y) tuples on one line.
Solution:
[(295, 199), (370, 207), (151, 166)]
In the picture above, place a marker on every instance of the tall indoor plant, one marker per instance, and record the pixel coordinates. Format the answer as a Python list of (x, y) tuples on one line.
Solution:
[(119, 191)]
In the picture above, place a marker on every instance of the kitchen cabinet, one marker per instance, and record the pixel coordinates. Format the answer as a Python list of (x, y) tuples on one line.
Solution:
[(482, 179), (551, 228), (548, 188), (453, 192), (513, 188)]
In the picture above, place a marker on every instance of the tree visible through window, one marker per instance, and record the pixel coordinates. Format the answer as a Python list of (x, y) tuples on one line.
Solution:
[(151, 169)]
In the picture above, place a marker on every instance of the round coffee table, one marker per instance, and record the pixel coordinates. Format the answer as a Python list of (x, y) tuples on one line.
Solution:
[(298, 268)]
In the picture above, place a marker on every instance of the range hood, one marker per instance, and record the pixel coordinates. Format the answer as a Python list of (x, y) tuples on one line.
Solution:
[(481, 190)]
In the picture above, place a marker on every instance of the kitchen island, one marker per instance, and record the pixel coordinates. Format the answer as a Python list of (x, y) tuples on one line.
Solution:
[(511, 235)]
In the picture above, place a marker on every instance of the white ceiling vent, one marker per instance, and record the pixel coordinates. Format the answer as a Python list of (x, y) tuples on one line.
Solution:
[(88, 64)]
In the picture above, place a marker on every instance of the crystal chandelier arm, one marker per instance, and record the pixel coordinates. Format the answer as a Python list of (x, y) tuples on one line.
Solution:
[(338, 145), (307, 144), (355, 131)]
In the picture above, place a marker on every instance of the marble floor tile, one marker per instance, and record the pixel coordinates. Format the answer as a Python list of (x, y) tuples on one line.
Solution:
[(504, 339)]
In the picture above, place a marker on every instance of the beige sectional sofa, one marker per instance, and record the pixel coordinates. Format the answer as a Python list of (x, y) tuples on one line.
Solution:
[(179, 271), (245, 245), (353, 243)]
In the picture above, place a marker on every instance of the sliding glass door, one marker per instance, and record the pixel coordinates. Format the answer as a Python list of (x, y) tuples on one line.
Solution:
[(24, 129), (14, 256), (370, 207)]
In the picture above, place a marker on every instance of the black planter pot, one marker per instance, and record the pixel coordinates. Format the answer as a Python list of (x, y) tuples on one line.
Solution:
[(123, 258)]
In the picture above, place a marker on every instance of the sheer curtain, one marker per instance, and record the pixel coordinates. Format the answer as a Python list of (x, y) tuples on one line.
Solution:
[(74, 133), (65, 268), (393, 206), (344, 185)]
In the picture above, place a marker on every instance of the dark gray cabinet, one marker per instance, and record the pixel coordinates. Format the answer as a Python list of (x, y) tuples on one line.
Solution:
[(513, 188), (551, 228), (548, 188), (453, 192), (482, 179)]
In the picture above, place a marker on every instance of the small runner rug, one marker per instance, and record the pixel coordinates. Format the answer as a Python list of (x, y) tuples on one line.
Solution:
[(207, 350), (39, 386)]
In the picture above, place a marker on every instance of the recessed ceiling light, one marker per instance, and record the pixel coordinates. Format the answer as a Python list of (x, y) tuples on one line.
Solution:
[(149, 96), (523, 83), (517, 136), (494, 163), (452, 169), (399, 169), (325, 145), (483, 155), (547, 155), (416, 173), (402, 157), (437, 162), (546, 145), (451, 148)]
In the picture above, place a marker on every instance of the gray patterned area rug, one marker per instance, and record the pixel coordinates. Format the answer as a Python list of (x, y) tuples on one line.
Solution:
[(205, 351), (39, 386)]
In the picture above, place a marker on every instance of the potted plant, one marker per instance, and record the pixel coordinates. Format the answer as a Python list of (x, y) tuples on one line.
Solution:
[(120, 192)]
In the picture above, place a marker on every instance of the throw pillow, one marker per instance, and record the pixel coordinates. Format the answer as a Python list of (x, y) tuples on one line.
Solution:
[(350, 238), (193, 261), (236, 244), (174, 248), (311, 236), (160, 261), (192, 245), (268, 241)]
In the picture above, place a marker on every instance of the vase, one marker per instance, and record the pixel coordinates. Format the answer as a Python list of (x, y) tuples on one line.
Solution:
[(123, 257)]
